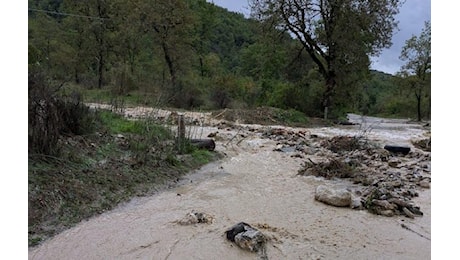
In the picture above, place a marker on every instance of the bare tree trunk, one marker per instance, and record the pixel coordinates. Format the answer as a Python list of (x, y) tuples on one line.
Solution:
[(330, 85), (429, 108), (201, 66), (100, 69), (419, 107), (175, 91)]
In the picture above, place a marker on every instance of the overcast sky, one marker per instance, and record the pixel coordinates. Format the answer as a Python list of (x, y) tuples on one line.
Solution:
[(411, 19)]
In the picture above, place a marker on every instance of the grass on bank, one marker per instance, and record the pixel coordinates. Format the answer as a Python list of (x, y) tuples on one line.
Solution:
[(95, 172)]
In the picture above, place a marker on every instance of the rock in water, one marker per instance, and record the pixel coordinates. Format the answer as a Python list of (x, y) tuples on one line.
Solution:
[(196, 217), (235, 230), (334, 197), (247, 238)]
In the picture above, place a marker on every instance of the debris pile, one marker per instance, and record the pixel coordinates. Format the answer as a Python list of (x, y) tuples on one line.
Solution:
[(331, 168), (344, 143), (388, 203), (388, 180)]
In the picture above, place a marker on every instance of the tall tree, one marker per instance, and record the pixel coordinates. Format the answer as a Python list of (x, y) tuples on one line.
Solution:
[(101, 29), (206, 22), (92, 26), (169, 21), (339, 35), (417, 54)]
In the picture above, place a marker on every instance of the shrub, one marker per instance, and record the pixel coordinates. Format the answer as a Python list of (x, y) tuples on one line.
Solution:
[(44, 117), (51, 115)]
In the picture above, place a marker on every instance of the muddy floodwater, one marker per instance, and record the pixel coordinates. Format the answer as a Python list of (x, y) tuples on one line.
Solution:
[(260, 186)]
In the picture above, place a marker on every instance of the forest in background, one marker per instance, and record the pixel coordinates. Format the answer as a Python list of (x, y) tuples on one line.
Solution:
[(193, 55)]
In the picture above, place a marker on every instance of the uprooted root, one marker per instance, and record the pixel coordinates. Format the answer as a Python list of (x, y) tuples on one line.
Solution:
[(332, 168), (344, 143)]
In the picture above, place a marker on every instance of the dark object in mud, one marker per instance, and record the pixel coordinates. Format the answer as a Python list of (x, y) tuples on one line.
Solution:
[(208, 144), (235, 230), (397, 149), (247, 237)]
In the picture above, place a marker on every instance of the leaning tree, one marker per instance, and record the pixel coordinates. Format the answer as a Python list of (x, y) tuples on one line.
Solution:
[(339, 35)]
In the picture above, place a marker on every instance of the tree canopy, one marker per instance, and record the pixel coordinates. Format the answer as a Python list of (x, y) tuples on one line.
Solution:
[(417, 53), (339, 35), (417, 69)]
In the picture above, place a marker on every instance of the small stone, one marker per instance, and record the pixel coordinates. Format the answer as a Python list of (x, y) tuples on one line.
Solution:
[(213, 134), (407, 212), (279, 148), (387, 213), (393, 163), (356, 203), (396, 184), (425, 184), (384, 204), (399, 202)]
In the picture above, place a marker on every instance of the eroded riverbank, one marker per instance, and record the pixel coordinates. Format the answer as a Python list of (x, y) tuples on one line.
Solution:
[(260, 186)]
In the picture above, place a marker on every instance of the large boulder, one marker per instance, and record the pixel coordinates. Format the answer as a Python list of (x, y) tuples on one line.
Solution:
[(333, 196)]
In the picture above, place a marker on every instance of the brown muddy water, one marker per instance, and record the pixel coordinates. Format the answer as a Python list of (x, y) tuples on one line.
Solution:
[(259, 186)]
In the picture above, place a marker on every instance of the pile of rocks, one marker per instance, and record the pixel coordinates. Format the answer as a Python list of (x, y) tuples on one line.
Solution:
[(385, 202), (388, 180)]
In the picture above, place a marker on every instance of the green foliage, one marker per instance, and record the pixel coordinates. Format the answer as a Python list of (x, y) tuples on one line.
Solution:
[(201, 156), (121, 52), (417, 53), (96, 171), (292, 117), (416, 73), (391, 96), (339, 36), (116, 124), (210, 59), (52, 114)]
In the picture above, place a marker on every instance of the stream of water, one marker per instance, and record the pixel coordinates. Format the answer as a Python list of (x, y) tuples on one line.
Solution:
[(259, 186)]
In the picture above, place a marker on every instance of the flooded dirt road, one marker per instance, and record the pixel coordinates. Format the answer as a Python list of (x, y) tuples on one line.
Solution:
[(259, 186)]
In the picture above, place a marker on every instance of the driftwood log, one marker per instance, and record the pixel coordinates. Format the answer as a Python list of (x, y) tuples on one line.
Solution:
[(208, 144)]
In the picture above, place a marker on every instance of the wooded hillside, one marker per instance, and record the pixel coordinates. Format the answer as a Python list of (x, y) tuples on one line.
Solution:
[(190, 54)]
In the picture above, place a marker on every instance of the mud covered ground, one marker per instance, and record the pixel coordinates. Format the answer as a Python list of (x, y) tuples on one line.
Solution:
[(258, 182)]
